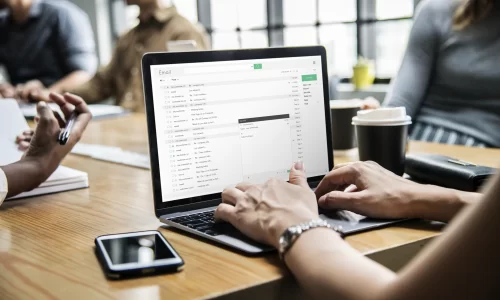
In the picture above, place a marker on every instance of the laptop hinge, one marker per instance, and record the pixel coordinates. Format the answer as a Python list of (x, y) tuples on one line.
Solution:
[(187, 207)]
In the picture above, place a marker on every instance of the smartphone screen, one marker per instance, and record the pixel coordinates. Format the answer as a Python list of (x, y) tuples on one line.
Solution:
[(144, 249), (137, 253)]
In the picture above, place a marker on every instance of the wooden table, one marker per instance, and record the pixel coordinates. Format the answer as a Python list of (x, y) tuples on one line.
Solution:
[(47, 243)]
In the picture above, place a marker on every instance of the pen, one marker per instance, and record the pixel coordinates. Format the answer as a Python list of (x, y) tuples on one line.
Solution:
[(65, 133)]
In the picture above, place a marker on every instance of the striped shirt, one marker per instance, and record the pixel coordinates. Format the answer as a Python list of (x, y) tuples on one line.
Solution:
[(436, 134)]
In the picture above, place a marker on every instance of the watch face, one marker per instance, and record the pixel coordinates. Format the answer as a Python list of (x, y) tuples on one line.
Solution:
[(285, 238), (288, 237)]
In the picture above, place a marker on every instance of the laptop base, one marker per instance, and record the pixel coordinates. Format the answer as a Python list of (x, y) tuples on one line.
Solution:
[(223, 233), (196, 223)]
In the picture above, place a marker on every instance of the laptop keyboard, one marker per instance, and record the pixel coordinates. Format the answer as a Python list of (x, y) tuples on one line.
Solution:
[(205, 222)]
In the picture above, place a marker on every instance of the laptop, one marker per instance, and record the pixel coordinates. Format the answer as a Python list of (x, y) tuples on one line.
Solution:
[(217, 118)]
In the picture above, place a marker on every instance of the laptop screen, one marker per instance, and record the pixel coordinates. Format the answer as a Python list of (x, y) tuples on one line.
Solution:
[(224, 122)]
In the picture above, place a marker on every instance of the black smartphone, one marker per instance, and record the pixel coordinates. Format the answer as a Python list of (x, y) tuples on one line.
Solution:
[(135, 254)]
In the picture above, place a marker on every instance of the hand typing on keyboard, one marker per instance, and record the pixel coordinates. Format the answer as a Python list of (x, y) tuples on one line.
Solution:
[(263, 212)]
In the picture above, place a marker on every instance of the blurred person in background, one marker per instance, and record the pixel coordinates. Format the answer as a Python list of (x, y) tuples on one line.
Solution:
[(449, 80), (121, 79), (44, 45)]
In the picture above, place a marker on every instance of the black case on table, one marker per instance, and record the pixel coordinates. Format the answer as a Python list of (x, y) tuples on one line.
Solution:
[(447, 171)]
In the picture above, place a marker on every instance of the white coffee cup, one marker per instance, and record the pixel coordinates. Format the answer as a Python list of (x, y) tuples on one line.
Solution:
[(382, 136)]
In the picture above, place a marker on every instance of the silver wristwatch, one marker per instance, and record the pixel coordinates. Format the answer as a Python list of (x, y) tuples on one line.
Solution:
[(290, 236)]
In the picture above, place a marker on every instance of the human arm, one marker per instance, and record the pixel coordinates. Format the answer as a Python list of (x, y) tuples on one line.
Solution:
[(263, 212), (368, 103), (102, 85), (74, 47), (7, 90), (73, 79), (44, 153), (468, 273), (412, 81), (375, 191), (328, 268), (464, 262), (34, 89)]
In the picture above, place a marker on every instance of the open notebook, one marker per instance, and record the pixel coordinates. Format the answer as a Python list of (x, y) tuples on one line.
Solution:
[(12, 123)]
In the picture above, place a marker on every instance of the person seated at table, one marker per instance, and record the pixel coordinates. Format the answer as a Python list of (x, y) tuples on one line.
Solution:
[(461, 264), (121, 78), (448, 81), (44, 45), (44, 154)]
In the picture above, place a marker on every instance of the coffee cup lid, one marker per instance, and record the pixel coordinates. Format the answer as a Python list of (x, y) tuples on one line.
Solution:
[(393, 116)]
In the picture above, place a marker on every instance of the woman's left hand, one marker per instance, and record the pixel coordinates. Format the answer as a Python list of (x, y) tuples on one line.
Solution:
[(24, 139), (264, 212), (370, 103)]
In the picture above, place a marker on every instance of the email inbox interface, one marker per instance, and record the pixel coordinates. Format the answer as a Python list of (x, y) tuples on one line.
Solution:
[(220, 123)]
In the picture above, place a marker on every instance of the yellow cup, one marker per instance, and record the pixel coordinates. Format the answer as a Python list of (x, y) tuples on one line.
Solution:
[(363, 76)]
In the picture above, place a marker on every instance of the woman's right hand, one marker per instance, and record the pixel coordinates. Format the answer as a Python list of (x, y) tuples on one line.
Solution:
[(44, 153), (24, 139), (44, 147)]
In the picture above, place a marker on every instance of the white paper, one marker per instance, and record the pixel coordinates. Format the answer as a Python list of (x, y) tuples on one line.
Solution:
[(64, 175), (97, 110), (12, 123), (113, 154)]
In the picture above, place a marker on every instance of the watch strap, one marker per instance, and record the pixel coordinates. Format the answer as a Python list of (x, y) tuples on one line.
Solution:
[(291, 234)]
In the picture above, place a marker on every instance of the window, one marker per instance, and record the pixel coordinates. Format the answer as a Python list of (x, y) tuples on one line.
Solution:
[(238, 23), (392, 35), (337, 11), (376, 29), (341, 46), (390, 46), (390, 9), (187, 8)]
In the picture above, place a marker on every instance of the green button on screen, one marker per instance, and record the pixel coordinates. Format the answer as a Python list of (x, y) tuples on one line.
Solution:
[(257, 66), (310, 77)]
